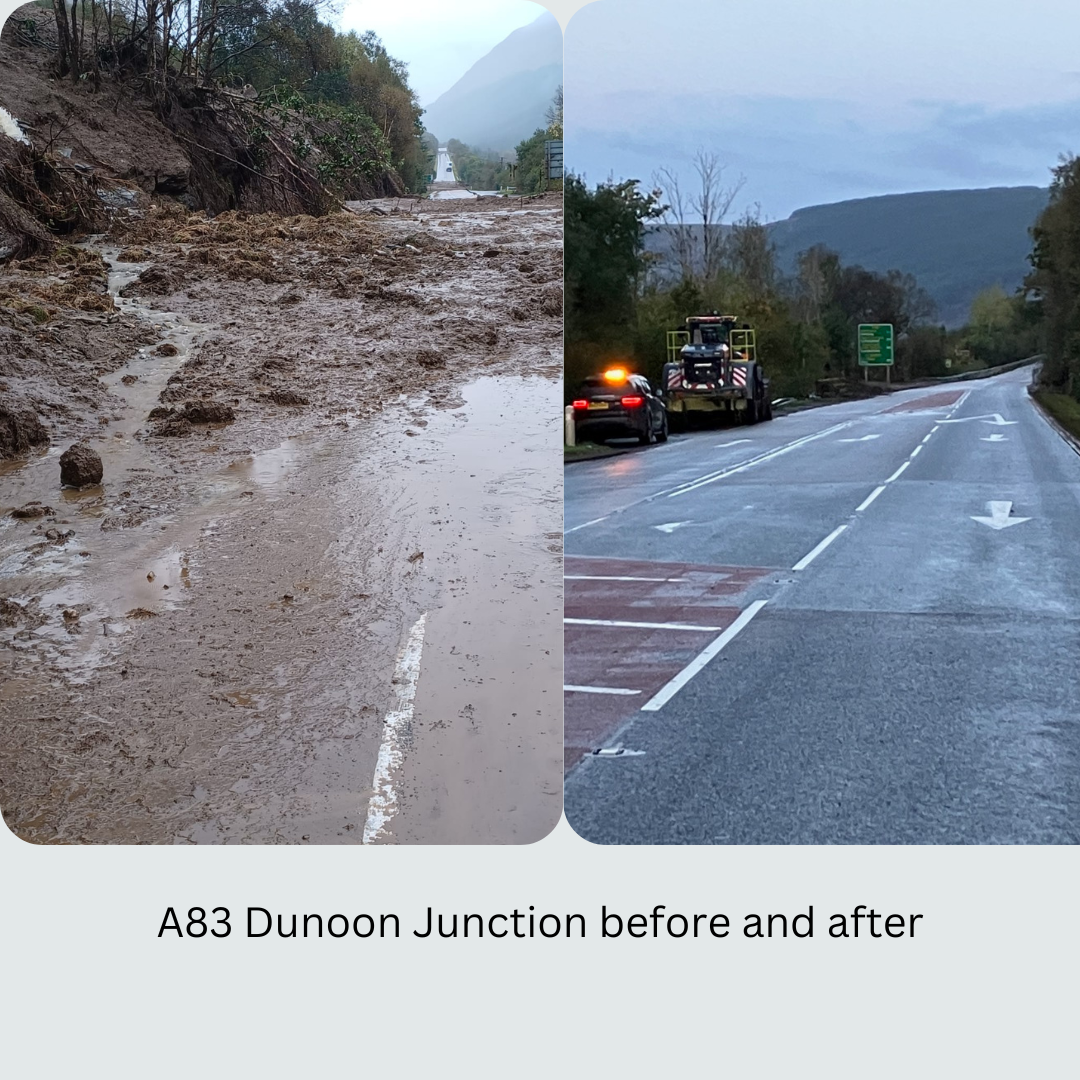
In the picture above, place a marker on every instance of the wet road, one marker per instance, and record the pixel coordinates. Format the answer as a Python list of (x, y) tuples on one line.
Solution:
[(857, 624)]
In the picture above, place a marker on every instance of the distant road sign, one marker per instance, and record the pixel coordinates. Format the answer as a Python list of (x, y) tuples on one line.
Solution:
[(876, 344), (553, 159)]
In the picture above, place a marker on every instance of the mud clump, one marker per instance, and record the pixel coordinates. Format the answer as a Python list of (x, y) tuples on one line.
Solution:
[(173, 427), (80, 466), (33, 510), (133, 255), (166, 349), (430, 359), (286, 397), (154, 281), (20, 431), (130, 380), (208, 412)]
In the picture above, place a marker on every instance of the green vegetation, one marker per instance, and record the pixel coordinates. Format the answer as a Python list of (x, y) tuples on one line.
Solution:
[(279, 51), (1064, 409)]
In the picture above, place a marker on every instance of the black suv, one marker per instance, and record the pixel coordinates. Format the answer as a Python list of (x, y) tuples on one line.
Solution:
[(617, 405)]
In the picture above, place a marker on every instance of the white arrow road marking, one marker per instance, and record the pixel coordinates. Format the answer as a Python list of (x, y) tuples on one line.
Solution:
[(671, 526), (996, 419), (865, 438), (999, 516), (994, 438), (383, 802)]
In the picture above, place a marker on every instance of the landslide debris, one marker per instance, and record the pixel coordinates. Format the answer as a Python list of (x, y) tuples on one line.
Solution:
[(80, 466)]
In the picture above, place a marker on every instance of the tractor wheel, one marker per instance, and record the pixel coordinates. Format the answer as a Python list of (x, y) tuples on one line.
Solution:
[(750, 413)]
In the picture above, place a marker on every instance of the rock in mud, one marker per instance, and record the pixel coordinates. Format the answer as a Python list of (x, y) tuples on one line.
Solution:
[(20, 431), (152, 282), (80, 466), (166, 349)]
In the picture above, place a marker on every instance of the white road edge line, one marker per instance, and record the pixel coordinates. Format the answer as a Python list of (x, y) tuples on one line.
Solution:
[(915, 453), (927, 439), (383, 801), (806, 560), (869, 499), (898, 472), (667, 692), (640, 625), (585, 525), (598, 690)]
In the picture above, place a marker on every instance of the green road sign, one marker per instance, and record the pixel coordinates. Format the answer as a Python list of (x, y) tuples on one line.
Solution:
[(875, 344)]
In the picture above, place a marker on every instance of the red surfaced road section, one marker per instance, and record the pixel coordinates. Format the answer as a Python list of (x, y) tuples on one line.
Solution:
[(931, 401), (637, 658)]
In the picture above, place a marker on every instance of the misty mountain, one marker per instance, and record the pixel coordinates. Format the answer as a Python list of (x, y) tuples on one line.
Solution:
[(502, 98), (956, 243)]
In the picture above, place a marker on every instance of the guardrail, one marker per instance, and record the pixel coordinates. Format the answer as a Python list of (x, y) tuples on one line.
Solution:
[(987, 373)]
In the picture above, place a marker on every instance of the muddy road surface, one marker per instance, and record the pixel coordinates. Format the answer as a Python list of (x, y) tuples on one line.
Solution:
[(317, 596)]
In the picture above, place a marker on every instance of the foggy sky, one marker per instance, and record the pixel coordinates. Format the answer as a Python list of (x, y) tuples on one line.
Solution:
[(817, 103)]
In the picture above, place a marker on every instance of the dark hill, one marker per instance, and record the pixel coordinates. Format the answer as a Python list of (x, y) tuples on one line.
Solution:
[(956, 243)]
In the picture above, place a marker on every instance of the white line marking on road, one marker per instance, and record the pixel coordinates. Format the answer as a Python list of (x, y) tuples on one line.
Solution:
[(585, 525), (617, 751), (807, 559), (598, 690), (898, 472), (865, 438), (869, 499), (994, 419), (604, 577), (640, 625), (671, 526), (668, 691), (383, 802), (994, 438), (734, 442), (927, 439), (932, 430), (711, 478), (917, 451), (1000, 516)]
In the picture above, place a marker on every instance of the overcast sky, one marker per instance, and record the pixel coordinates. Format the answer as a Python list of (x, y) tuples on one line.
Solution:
[(817, 102), (439, 39)]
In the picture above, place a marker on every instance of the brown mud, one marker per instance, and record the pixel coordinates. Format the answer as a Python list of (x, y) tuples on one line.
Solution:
[(202, 648)]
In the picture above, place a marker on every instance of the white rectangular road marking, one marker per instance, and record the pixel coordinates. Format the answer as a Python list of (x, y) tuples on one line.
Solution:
[(605, 577), (598, 690), (640, 625), (383, 801), (806, 560), (869, 499), (667, 692), (898, 472), (927, 439), (915, 453)]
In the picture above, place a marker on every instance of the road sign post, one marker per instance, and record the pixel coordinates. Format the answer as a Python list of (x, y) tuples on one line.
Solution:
[(875, 345)]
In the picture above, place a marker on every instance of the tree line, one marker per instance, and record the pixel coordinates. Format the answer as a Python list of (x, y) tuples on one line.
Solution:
[(622, 298)]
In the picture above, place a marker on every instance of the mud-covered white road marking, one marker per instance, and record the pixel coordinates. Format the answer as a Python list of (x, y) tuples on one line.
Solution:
[(383, 801)]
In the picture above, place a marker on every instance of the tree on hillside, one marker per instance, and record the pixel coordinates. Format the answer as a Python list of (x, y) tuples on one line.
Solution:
[(696, 213), (604, 236)]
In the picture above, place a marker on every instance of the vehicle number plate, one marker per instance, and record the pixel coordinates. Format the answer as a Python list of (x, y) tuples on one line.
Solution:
[(597, 405)]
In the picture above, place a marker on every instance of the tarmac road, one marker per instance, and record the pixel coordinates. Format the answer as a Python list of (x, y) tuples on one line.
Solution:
[(856, 624)]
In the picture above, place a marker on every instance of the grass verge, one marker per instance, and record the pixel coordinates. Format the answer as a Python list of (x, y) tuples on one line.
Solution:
[(1064, 409)]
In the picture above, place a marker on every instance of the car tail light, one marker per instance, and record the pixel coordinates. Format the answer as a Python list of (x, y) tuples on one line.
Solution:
[(581, 403), (633, 402)]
